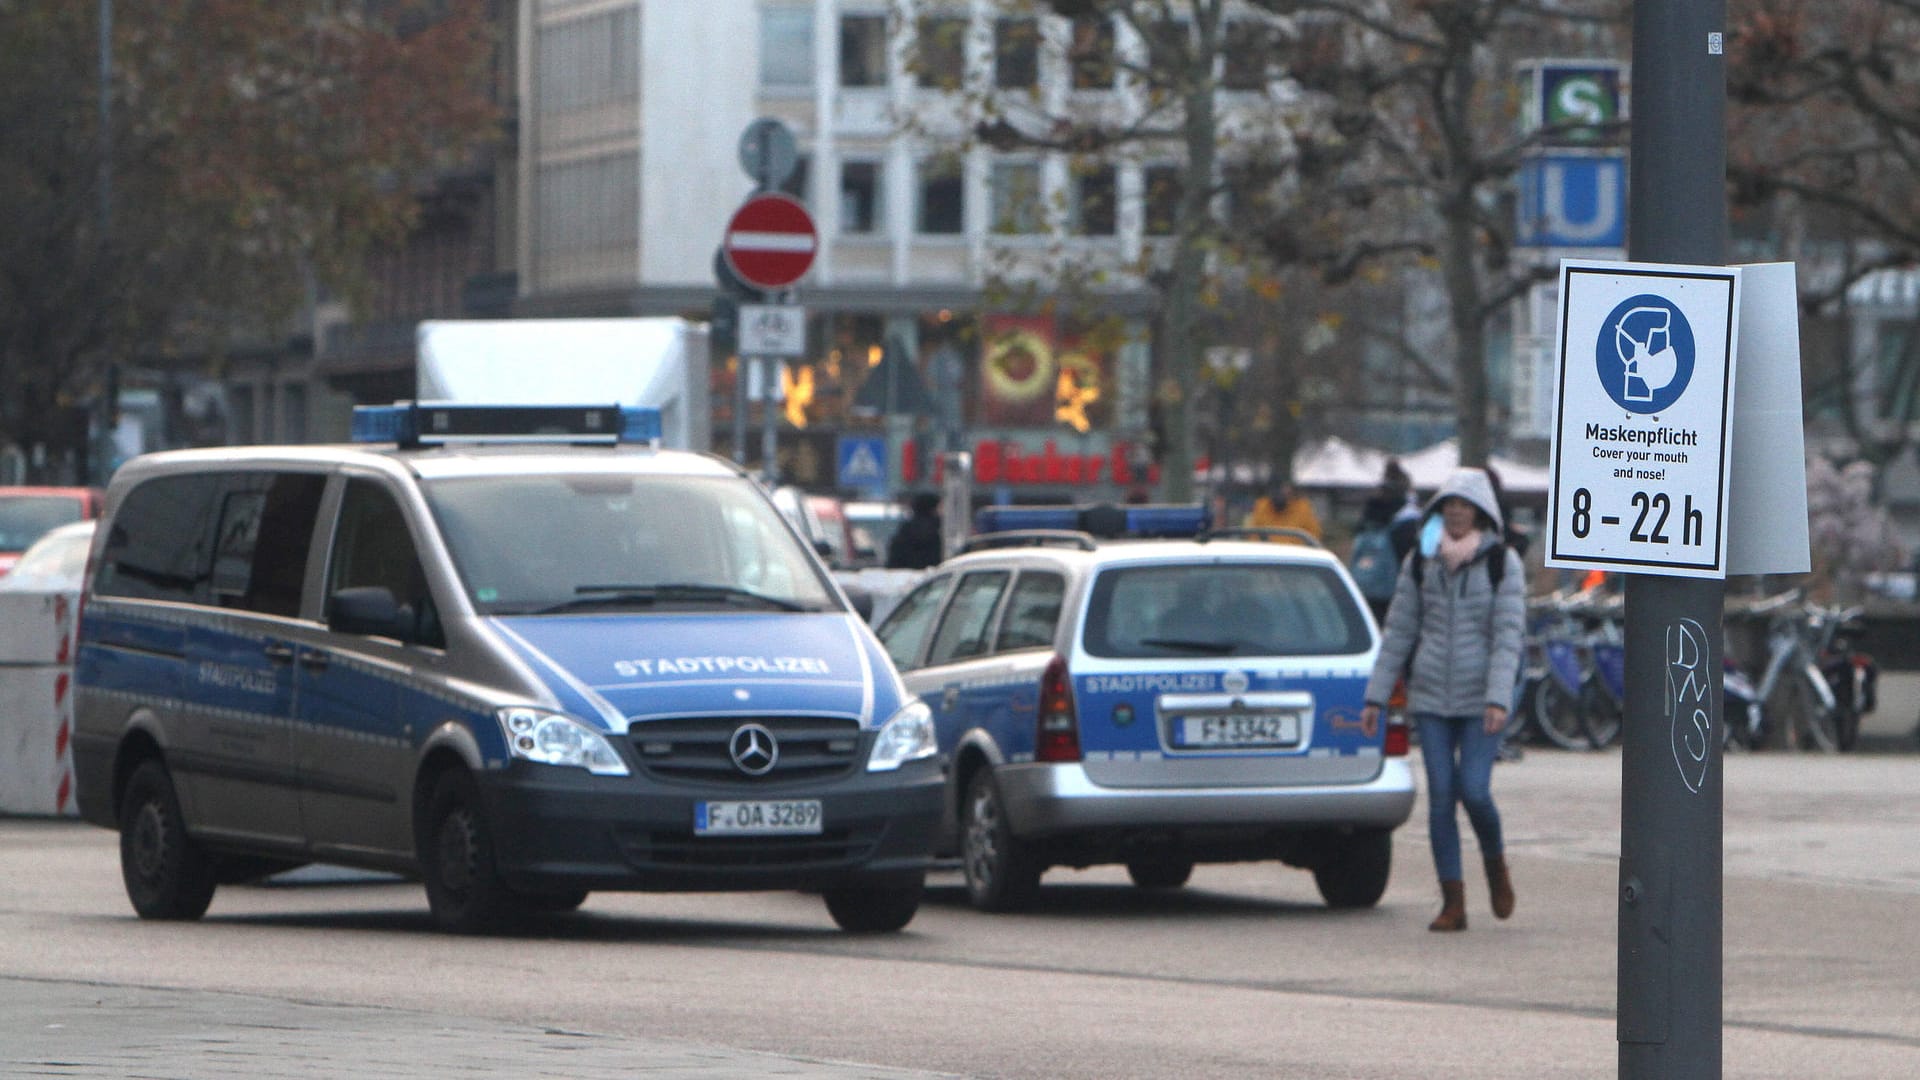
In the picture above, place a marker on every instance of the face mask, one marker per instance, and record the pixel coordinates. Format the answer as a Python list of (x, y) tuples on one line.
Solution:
[(1430, 535)]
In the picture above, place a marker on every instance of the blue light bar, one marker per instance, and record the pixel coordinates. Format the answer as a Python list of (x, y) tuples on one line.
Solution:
[(1163, 521), (428, 423)]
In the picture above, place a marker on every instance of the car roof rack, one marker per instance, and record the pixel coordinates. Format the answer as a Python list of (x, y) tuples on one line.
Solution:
[(1031, 538), (1261, 532)]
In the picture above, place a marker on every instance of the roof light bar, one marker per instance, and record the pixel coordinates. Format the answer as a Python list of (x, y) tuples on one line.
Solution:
[(1149, 521), (432, 423)]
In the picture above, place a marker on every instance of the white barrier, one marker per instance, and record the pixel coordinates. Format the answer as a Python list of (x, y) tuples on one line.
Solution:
[(36, 703)]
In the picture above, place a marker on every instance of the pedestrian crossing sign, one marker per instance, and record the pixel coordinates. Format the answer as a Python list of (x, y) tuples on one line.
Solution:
[(862, 462)]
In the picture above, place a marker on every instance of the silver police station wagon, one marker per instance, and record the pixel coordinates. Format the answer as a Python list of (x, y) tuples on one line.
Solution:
[(520, 653), (1152, 702)]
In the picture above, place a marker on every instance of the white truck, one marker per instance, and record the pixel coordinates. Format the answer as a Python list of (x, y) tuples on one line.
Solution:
[(656, 362)]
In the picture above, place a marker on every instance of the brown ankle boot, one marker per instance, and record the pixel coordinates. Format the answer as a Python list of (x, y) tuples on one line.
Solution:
[(1499, 887), (1453, 907)]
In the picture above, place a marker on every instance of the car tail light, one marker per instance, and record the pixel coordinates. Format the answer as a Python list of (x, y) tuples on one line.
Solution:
[(1059, 730), (1397, 741)]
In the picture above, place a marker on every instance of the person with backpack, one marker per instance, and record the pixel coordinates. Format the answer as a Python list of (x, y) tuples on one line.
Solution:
[(1377, 550), (1454, 632)]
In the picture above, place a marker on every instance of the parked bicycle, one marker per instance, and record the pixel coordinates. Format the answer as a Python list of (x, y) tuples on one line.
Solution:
[(1813, 687), (1576, 669)]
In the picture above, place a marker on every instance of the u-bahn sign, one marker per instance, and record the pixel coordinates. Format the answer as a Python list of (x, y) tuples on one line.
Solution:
[(1643, 413)]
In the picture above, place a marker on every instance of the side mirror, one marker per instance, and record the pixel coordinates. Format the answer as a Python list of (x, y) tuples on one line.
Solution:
[(823, 549), (366, 609), (861, 599)]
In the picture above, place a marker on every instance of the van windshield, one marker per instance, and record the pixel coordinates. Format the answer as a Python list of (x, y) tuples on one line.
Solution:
[(1195, 610), (597, 542)]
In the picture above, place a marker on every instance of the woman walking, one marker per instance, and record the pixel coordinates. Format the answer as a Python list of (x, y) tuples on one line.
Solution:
[(1453, 632)]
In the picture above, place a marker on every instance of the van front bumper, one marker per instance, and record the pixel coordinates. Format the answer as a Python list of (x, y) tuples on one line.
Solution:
[(1048, 799), (628, 833)]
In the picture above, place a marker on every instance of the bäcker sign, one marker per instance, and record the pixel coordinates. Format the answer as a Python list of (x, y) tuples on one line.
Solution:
[(1643, 410)]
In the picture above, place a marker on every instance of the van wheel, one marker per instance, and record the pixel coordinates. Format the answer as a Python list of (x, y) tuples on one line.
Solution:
[(875, 909), (1353, 872), (167, 874), (1160, 873), (456, 859), (1002, 873)]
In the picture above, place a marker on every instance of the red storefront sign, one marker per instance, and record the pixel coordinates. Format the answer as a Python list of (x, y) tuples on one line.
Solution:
[(1008, 462)]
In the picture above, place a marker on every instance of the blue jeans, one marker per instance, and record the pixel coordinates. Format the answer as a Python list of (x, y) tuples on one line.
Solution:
[(1459, 757)]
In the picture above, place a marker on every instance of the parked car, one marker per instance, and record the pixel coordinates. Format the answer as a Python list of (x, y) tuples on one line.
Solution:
[(55, 563), (1157, 703), (26, 513), (519, 669)]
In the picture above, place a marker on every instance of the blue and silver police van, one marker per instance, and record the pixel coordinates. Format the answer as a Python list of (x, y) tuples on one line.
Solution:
[(523, 654), (1121, 685)]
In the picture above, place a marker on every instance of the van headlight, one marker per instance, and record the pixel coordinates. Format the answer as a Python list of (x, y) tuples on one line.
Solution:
[(557, 739), (906, 737)]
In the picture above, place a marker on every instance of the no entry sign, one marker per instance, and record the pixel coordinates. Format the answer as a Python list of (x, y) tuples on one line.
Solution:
[(770, 241)]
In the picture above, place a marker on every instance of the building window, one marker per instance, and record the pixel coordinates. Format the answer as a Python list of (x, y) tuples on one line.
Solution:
[(863, 50), (1245, 55), (786, 47), (1161, 199), (1017, 207), (942, 210), (1016, 54), (589, 205), (1091, 53), (293, 408), (942, 56), (590, 61), (1169, 46), (1091, 210), (859, 197), (1249, 200)]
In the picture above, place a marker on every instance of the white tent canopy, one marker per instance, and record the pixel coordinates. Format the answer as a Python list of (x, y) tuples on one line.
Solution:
[(1336, 463)]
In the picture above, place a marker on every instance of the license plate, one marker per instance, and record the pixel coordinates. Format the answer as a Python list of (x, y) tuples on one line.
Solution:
[(1238, 731), (786, 817)]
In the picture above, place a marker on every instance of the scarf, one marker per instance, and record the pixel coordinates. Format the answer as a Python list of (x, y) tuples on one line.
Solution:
[(1455, 552)]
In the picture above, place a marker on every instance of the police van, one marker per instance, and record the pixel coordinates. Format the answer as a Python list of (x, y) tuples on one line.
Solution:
[(523, 654), (1120, 685)]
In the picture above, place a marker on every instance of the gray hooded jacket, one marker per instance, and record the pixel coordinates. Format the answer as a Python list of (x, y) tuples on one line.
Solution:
[(1454, 636)]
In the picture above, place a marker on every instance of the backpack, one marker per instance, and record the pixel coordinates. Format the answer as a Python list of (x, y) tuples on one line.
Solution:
[(1373, 564)]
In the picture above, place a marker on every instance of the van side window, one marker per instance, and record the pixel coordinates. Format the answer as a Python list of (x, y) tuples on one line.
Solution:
[(373, 547), (905, 628), (261, 540), (1032, 612), (160, 543), (963, 632)]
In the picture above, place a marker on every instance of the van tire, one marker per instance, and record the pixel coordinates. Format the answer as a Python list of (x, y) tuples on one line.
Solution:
[(167, 874), (1002, 872), (1353, 871), (1160, 873), (457, 860), (553, 903), (879, 908)]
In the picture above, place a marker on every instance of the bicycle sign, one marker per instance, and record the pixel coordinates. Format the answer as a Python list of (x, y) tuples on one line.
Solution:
[(1643, 410)]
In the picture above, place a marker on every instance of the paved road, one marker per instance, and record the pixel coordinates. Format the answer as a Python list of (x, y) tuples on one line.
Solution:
[(1241, 974)]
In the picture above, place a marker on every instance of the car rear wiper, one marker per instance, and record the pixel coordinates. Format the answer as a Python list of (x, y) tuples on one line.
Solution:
[(602, 595), (1217, 648)]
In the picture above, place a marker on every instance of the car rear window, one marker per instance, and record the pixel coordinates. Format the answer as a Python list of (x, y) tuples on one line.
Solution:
[(1223, 609), (26, 518)]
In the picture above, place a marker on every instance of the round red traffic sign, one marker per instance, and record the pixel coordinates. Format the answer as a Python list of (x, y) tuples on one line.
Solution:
[(770, 241)]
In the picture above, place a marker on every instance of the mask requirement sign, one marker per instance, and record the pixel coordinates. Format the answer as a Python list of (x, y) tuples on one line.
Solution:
[(1643, 411)]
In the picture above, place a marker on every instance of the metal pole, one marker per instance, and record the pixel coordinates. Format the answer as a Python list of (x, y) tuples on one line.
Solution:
[(1669, 1013), (106, 115), (742, 371), (769, 419)]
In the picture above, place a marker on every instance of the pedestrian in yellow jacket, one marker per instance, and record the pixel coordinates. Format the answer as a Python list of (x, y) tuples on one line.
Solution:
[(1284, 508)]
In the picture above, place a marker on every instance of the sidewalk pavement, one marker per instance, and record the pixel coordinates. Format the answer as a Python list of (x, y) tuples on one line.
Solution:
[(70, 1029)]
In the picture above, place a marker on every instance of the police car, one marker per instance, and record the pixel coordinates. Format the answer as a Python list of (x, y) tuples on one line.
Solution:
[(1152, 702), (523, 654)]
